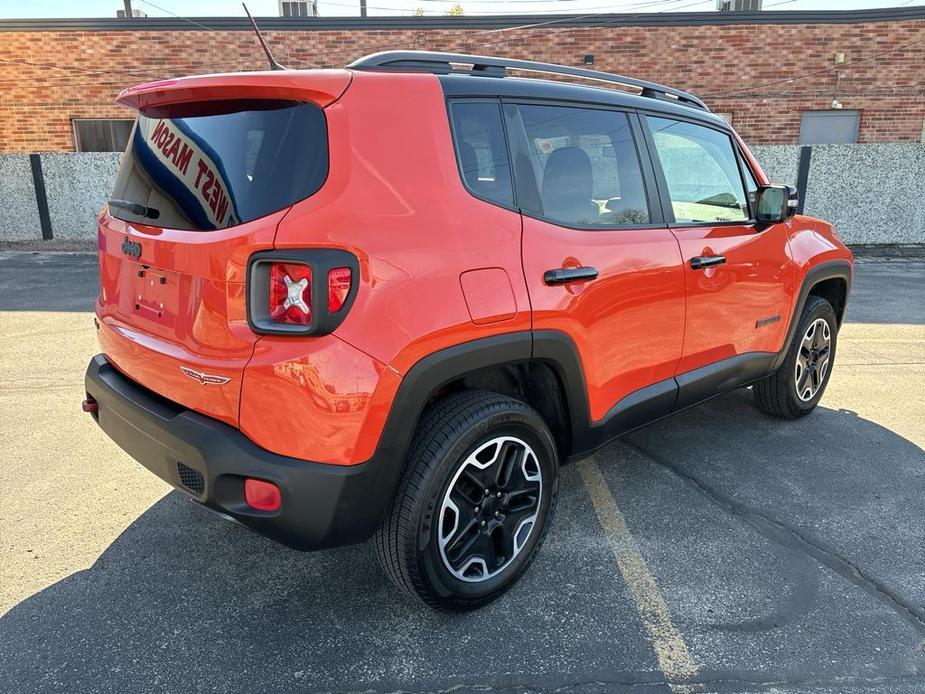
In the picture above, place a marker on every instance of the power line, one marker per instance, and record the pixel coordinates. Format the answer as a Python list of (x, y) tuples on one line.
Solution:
[(348, 51), (208, 28), (555, 10), (391, 44), (797, 78), (570, 18)]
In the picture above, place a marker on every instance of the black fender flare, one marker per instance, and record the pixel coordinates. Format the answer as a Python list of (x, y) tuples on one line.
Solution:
[(419, 383), (552, 347), (832, 269)]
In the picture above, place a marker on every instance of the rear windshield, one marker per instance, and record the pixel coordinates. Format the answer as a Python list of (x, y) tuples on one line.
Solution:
[(230, 165)]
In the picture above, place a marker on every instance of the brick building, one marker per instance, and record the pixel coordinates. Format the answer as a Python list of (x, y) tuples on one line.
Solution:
[(775, 74)]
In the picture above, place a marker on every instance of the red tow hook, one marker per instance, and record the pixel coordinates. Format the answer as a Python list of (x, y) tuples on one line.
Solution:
[(90, 405)]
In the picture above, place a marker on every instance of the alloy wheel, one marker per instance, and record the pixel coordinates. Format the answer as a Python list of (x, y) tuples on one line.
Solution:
[(490, 509), (813, 359)]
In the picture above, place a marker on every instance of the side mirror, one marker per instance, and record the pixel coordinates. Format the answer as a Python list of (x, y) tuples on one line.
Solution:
[(775, 204)]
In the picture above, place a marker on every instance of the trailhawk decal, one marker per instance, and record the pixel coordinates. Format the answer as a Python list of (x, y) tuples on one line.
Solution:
[(204, 378), (188, 169)]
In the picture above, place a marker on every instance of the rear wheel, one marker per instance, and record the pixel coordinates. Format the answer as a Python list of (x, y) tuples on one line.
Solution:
[(474, 503), (796, 387)]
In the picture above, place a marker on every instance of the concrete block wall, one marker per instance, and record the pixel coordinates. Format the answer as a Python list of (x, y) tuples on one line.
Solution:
[(869, 191), (19, 213), (77, 186), (871, 194), (780, 162)]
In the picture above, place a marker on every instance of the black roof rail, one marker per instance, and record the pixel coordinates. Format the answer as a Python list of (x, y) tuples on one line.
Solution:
[(488, 66)]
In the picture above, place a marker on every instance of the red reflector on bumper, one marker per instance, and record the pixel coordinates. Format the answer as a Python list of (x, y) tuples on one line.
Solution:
[(261, 495), (90, 405)]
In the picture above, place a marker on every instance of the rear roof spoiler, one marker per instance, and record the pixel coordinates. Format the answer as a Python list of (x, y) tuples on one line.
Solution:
[(488, 66), (322, 87)]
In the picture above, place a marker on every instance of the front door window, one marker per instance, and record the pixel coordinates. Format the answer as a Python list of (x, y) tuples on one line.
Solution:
[(702, 172)]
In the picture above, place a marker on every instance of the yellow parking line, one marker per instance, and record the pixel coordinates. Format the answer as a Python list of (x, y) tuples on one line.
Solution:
[(670, 649)]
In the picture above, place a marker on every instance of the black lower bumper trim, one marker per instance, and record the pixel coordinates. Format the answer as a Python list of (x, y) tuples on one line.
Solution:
[(323, 505)]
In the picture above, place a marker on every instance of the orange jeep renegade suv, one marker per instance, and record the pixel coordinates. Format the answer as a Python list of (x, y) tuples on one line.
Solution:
[(390, 301)]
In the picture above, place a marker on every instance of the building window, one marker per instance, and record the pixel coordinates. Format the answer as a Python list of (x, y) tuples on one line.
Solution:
[(294, 8), (829, 127), (101, 134)]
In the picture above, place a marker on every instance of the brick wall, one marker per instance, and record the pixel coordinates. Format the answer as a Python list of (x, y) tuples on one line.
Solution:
[(77, 73)]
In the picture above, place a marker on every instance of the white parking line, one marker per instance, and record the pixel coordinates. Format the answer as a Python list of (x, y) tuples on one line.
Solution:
[(670, 649)]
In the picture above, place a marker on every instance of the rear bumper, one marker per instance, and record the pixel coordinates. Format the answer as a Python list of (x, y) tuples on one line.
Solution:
[(322, 505)]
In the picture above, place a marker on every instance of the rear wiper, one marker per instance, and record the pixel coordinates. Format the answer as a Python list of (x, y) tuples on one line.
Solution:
[(136, 208)]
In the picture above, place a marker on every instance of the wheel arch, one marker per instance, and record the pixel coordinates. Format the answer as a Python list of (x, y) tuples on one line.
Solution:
[(835, 291), (832, 281), (541, 368)]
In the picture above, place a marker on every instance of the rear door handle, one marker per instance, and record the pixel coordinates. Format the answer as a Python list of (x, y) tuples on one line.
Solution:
[(565, 275), (702, 261)]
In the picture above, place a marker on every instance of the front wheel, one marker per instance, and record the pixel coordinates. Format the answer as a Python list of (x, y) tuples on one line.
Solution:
[(474, 503), (796, 387)]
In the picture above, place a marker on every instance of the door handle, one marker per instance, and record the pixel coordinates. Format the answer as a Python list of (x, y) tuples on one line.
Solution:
[(702, 261), (566, 275)]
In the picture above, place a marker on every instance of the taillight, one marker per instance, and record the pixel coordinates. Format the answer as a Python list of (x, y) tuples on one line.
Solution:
[(290, 293), (300, 292), (339, 281)]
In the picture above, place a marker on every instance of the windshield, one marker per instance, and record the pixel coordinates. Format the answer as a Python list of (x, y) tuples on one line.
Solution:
[(212, 171)]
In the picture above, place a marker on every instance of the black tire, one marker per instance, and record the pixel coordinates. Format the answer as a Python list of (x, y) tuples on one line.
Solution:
[(408, 543), (778, 393)]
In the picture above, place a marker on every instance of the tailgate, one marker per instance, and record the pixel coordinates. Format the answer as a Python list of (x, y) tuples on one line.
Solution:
[(172, 309), (212, 166)]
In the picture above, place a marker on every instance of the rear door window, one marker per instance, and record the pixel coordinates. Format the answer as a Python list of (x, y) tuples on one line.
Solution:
[(586, 166), (701, 170), (220, 165), (481, 150)]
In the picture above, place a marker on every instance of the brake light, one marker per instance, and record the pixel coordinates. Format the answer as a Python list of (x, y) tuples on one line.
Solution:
[(339, 281), (300, 291), (290, 293), (261, 495)]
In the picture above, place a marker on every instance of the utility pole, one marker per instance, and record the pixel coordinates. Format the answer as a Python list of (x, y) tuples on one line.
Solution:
[(128, 9), (362, 7)]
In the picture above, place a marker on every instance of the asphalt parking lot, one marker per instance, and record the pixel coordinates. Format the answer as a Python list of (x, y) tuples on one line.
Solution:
[(719, 550)]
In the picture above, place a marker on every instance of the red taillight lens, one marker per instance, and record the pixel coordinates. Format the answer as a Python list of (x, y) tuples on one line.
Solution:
[(261, 495), (290, 293), (300, 291), (339, 280)]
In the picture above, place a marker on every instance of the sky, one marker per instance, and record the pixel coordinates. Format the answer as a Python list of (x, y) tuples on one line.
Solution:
[(339, 8)]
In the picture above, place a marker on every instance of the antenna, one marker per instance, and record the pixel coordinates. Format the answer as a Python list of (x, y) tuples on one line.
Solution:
[(266, 49)]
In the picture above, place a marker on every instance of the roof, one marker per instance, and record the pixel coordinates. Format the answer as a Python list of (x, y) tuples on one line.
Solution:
[(614, 20)]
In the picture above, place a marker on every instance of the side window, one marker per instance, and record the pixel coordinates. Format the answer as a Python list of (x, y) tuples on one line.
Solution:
[(701, 170), (586, 166), (482, 151)]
